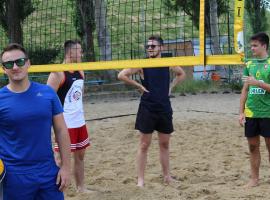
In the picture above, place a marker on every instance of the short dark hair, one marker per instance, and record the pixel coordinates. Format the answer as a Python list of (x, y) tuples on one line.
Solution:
[(14, 46), (69, 43), (262, 37), (157, 38)]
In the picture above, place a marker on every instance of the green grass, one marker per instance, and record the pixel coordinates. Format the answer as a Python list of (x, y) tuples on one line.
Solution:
[(198, 86), (129, 23)]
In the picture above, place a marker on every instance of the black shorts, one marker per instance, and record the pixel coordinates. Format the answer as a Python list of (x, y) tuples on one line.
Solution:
[(148, 122), (257, 126)]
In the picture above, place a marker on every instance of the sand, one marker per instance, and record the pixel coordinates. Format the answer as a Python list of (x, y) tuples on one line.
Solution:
[(209, 155)]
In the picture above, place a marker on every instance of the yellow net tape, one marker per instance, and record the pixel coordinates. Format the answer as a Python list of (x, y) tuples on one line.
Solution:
[(235, 59)]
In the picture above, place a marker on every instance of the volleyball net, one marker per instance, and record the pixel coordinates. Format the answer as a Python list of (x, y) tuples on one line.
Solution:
[(114, 32)]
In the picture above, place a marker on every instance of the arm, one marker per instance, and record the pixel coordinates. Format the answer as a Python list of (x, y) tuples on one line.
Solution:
[(250, 80), (55, 79), (82, 73), (180, 76), (243, 99), (62, 137), (125, 74)]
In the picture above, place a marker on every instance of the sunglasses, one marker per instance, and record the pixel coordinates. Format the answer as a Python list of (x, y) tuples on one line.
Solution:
[(152, 46), (10, 64)]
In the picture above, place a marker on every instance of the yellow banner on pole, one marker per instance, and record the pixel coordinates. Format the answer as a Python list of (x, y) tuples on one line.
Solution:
[(202, 32), (239, 26)]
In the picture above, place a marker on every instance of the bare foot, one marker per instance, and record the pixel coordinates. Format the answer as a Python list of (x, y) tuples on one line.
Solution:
[(252, 183), (140, 183), (170, 180), (84, 191)]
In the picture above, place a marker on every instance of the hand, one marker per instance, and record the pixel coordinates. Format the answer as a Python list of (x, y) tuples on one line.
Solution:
[(170, 91), (242, 119), (250, 80), (63, 178), (142, 89)]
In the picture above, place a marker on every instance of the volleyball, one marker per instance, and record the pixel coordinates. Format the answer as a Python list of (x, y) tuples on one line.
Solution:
[(2, 170)]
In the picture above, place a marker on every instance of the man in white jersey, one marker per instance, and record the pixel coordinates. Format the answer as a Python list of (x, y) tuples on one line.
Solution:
[(69, 87)]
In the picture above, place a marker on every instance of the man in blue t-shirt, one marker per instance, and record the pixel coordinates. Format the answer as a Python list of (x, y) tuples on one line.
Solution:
[(155, 112), (28, 111)]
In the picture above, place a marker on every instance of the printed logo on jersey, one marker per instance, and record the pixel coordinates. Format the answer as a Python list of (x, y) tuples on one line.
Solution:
[(257, 90), (75, 93), (39, 94), (265, 66), (258, 74)]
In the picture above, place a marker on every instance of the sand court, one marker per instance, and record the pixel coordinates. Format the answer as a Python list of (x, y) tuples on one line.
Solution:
[(209, 153)]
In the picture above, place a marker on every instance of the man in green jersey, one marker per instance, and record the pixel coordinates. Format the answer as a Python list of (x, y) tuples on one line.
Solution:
[(254, 112)]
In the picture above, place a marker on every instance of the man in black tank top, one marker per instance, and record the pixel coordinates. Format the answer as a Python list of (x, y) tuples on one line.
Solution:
[(155, 112)]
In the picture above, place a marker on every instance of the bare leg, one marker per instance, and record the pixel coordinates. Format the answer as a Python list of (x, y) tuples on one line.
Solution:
[(79, 170), (255, 160), (145, 141), (164, 140), (267, 143)]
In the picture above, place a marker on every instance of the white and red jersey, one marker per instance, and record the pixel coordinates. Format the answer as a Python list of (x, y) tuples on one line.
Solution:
[(70, 94)]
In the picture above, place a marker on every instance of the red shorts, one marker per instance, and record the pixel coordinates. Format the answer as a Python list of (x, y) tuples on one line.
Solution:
[(78, 139)]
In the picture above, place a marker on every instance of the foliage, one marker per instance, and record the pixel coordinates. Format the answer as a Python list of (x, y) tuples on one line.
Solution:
[(43, 56), (79, 19), (84, 21), (257, 15), (197, 86), (25, 8), (192, 9), (194, 86)]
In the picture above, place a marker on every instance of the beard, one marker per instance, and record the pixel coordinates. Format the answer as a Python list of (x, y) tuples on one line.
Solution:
[(153, 54)]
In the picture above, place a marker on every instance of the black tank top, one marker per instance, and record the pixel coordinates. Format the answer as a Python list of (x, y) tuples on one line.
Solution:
[(157, 82), (69, 79)]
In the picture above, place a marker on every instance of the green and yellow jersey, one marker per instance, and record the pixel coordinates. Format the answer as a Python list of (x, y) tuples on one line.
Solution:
[(258, 99)]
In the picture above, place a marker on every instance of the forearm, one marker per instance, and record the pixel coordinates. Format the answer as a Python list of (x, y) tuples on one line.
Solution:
[(264, 86), (129, 81), (243, 99), (63, 140), (178, 79), (251, 81)]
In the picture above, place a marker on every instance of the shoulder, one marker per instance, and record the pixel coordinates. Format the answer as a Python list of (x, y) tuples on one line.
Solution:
[(177, 69), (130, 71), (39, 85), (248, 63), (81, 73), (3, 92), (42, 87), (2, 89), (59, 75)]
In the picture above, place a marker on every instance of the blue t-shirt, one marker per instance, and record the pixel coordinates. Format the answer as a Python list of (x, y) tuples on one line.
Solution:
[(25, 128), (157, 82)]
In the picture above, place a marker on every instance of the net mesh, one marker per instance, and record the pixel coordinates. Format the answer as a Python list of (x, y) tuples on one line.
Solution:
[(119, 28), (114, 30)]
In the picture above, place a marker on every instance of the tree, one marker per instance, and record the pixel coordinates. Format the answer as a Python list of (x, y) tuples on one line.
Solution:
[(213, 18), (192, 9), (84, 20), (103, 34), (12, 15), (257, 15), (213, 10)]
